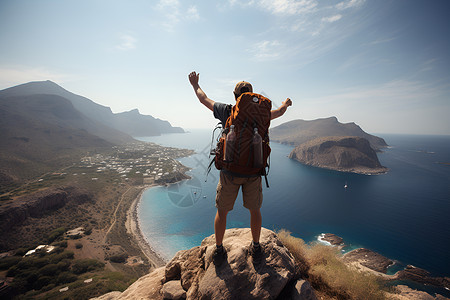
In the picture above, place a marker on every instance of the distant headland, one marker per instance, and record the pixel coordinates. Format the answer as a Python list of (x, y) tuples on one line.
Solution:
[(327, 143)]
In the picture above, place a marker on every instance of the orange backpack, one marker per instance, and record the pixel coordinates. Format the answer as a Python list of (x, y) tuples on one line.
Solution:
[(251, 111)]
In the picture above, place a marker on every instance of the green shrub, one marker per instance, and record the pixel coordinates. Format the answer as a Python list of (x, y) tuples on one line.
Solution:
[(49, 270), (12, 271), (62, 244), (8, 262), (88, 230), (41, 282), (32, 262), (20, 285), (63, 265), (56, 234), (86, 265), (48, 287), (55, 258), (66, 277), (119, 258), (21, 251)]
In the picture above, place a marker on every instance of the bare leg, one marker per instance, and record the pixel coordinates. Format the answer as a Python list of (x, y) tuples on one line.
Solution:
[(255, 224), (220, 224)]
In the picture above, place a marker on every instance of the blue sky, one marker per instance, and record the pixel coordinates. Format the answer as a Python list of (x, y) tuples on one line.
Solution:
[(384, 65)]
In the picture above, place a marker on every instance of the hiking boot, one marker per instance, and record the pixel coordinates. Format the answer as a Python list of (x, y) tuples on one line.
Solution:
[(219, 256), (256, 253)]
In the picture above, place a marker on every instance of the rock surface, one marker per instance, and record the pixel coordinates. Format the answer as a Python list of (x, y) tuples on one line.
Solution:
[(345, 154), (237, 278), (332, 239), (407, 293), (422, 276), (369, 259), (303, 291)]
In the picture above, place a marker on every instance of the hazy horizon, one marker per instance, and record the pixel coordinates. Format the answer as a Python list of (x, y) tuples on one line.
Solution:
[(382, 65)]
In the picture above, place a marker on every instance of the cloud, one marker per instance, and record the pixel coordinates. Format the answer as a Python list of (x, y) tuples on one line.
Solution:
[(349, 4), (10, 76), (288, 7), (332, 19), (192, 14), (168, 3), (266, 50), (173, 13), (399, 93), (382, 41), (127, 42)]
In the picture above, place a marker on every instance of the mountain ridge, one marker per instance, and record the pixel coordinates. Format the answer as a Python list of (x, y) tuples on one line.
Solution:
[(144, 124), (44, 127)]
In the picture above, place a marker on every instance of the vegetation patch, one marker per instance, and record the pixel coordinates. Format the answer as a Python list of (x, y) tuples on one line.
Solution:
[(322, 266)]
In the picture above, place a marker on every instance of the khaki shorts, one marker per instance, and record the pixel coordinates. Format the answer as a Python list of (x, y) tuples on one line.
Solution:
[(228, 188)]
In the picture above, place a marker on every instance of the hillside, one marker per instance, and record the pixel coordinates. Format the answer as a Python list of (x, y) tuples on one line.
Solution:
[(41, 132), (300, 131), (130, 123), (44, 127), (345, 154)]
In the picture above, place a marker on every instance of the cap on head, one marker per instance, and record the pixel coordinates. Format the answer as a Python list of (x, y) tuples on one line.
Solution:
[(242, 87)]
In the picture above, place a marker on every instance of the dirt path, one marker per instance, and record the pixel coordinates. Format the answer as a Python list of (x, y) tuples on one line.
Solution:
[(114, 217)]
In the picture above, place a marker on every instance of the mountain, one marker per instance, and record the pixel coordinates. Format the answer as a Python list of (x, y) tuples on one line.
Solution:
[(41, 132), (132, 123), (135, 124), (345, 154), (44, 127), (300, 131)]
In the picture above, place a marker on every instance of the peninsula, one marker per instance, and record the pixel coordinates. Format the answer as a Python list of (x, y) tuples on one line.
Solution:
[(298, 132), (345, 154)]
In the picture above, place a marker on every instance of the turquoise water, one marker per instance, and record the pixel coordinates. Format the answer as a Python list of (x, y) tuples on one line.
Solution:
[(403, 215)]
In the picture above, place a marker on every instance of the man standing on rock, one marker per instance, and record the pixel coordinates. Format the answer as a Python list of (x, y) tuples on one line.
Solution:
[(229, 184)]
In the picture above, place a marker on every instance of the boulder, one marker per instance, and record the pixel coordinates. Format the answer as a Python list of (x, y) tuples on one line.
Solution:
[(191, 274), (303, 291), (173, 290), (238, 278)]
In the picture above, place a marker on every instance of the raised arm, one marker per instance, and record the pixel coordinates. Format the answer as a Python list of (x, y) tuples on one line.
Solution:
[(193, 79), (281, 110)]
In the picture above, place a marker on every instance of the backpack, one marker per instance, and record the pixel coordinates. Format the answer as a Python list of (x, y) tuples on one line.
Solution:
[(250, 111)]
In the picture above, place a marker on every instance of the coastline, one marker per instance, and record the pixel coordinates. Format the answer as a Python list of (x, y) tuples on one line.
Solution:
[(133, 228)]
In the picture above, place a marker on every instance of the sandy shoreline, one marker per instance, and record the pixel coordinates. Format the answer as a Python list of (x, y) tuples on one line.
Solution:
[(132, 226)]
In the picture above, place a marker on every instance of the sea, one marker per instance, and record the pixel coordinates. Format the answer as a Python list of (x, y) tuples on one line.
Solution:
[(403, 214)]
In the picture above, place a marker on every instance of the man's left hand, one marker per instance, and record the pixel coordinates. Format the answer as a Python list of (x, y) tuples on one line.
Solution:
[(287, 102)]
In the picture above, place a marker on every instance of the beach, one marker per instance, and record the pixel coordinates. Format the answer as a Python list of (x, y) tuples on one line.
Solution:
[(133, 228)]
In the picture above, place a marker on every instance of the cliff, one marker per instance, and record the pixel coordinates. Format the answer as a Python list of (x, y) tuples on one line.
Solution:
[(36, 205), (192, 275), (346, 154)]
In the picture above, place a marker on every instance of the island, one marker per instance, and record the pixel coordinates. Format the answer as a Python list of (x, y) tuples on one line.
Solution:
[(346, 154)]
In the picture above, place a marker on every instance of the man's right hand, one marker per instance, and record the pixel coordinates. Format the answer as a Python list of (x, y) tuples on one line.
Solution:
[(193, 78)]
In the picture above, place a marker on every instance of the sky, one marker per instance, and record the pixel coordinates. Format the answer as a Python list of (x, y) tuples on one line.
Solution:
[(384, 65)]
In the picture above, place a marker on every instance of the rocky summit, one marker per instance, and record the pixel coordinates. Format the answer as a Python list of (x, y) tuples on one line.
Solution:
[(191, 274)]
